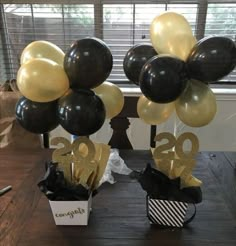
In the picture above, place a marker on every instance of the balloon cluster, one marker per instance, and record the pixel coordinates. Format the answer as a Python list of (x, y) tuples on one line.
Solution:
[(57, 87), (174, 73)]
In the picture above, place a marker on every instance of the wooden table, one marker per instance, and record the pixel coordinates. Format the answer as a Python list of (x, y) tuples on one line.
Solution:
[(118, 217)]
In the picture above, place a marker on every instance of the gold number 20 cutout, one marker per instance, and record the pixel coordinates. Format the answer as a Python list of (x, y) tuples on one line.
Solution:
[(163, 151)]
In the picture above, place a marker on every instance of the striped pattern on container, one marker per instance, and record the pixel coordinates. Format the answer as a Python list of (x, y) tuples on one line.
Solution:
[(166, 213)]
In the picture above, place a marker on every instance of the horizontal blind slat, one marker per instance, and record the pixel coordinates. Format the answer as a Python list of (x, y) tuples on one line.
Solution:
[(124, 24)]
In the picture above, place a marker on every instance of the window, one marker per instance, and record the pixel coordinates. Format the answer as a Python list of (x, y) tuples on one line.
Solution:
[(221, 20), (121, 24), (24, 23)]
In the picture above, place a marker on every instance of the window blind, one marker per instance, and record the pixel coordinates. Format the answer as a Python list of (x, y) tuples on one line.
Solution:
[(221, 20), (121, 24), (59, 24)]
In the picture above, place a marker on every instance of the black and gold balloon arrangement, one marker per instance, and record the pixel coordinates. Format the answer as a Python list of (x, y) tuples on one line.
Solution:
[(69, 90), (174, 75)]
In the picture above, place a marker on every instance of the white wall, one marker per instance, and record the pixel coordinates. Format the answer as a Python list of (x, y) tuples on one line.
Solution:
[(219, 135)]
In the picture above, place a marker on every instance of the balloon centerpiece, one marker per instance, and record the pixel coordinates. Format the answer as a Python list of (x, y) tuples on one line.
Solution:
[(176, 71), (57, 90), (176, 78), (58, 86)]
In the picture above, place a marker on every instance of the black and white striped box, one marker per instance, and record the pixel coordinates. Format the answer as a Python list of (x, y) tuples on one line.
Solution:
[(166, 213)]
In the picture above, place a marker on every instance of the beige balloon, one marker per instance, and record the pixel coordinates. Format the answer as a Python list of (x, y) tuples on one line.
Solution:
[(181, 45), (196, 106), (154, 113), (112, 98), (42, 80), (42, 49), (172, 34)]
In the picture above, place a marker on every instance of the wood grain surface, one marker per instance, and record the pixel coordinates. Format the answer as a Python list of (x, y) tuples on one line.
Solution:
[(118, 216)]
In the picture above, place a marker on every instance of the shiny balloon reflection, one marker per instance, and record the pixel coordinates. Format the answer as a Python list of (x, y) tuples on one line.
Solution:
[(112, 98), (88, 63), (171, 34), (211, 59), (81, 112), (134, 60), (42, 49), (154, 113), (196, 107), (37, 117), (42, 80), (163, 78)]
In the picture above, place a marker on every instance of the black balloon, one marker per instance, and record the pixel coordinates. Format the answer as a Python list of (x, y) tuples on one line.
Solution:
[(88, 63), (134, 60), (81, 112), (163, 78), (211, 59), (37, 117)]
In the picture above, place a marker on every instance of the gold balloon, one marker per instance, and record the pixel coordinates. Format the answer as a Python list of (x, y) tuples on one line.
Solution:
[(42, 80), (183, 45), (196, 106), (171, 34), (112, 98), (154, 113), (42, 49)]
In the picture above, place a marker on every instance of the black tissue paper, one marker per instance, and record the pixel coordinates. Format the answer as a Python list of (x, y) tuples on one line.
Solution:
[(159, 186), (57, 188)]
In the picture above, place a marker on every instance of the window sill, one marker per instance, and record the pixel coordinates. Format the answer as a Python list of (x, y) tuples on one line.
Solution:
[(135, 91), (221, 93)]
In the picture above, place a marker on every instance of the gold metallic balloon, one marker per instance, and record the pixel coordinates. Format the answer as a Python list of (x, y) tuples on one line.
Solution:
[(154, 113), (42, 49), (181, 45), (171, 34), (112, 98), (196, 106), (42, 80)]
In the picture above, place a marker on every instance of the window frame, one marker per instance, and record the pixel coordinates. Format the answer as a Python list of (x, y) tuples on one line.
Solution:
[(202, 6)]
